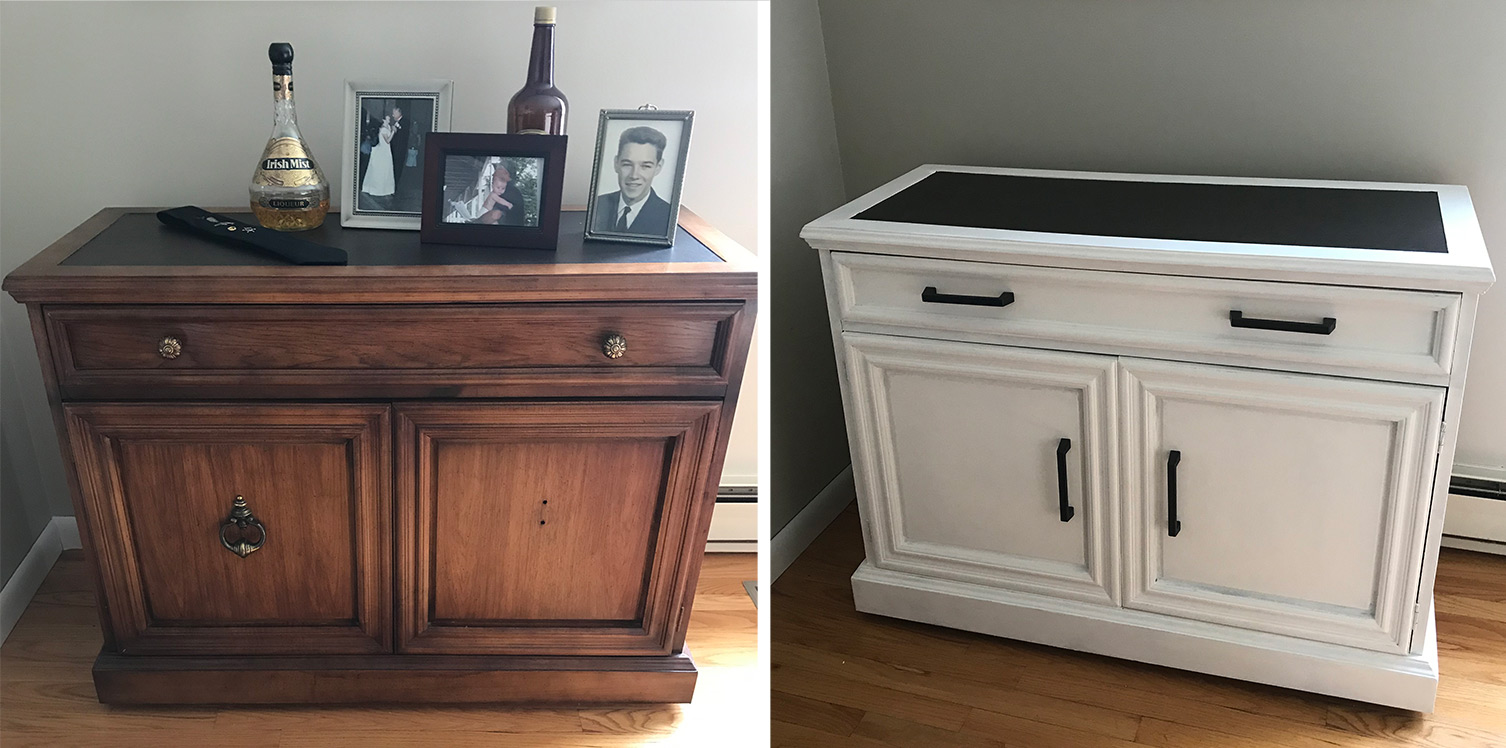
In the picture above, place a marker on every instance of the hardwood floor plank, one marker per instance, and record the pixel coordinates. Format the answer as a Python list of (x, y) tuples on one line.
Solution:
[(1279, 731), (786, 735), (652, 721), (819, 715), (168, 737), (939, 684), (903, 733), (848, 690), (1163, 734), (1413, 729), (67, 705), (1018, 731)]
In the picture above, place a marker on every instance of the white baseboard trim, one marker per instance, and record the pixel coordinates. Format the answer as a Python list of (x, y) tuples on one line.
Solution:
[(60, 534), (803, 530), (732, 546), (68, 532), (1472, 544)]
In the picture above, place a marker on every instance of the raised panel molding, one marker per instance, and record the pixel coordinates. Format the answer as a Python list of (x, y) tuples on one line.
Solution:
[(1412, 413), (96, 432), (871, 359), (687, 429)]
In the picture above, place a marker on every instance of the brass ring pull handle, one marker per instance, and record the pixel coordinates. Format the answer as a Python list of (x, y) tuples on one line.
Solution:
[(240, 517), (614, 346), (170, 347)]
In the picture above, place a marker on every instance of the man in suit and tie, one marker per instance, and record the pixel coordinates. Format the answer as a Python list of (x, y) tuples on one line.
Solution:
[(635, 208), (399, 144)]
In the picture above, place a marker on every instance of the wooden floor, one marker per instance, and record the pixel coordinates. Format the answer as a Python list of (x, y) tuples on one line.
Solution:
[(47, 697), (843, 678)]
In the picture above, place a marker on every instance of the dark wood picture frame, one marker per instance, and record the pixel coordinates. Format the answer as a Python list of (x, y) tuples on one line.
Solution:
[(679, 148), (441, 145)]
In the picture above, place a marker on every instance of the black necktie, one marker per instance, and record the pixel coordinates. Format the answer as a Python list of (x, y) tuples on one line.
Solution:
[(621, 221)]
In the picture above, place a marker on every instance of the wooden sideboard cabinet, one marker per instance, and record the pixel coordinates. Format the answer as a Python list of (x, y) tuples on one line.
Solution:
[(437, 474), (1197, 422)]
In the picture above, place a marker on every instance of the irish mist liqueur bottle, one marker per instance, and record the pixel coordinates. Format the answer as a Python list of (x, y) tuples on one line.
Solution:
[(539, 108), (288, 191)]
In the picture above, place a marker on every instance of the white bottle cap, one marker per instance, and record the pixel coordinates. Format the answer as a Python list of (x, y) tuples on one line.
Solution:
[(543, 14)]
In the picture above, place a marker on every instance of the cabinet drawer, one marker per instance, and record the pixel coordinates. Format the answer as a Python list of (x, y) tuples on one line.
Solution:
[(1375, 332), (307, 570), (398, 351)]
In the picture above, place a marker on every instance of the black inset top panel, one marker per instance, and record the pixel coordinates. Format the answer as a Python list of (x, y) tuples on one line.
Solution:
[(1302, 216), (140, 239)]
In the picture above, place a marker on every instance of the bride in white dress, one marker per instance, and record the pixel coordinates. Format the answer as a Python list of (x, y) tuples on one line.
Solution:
[(379, 181)]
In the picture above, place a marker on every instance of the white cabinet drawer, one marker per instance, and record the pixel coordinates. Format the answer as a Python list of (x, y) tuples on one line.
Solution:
[(1376, 333)]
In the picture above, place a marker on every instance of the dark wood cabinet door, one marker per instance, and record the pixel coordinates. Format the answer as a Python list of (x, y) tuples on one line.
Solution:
[(309, 573), (548, 528)]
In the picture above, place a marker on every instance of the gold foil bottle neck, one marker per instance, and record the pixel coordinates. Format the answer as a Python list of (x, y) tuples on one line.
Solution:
[(282, 87), (543, 14)]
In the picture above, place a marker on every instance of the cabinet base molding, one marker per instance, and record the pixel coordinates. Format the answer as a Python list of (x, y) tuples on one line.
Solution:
[(409, 679), (1404, 681)]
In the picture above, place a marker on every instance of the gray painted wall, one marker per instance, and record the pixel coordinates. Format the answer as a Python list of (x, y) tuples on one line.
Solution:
[(1385, 90), (808, 440), (163, 103), (25, 505)]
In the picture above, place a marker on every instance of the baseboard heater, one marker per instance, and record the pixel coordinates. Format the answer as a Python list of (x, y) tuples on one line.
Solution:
[(734, 521), (1479, 488), (1476, 518)]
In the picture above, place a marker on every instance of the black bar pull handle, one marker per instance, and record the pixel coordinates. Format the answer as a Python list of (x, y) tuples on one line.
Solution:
[(931, 295), (1238, 319), (1173, 525), (1061, 478)]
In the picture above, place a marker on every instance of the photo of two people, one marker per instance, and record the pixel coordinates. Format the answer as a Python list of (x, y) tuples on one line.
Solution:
[(492, 190), (389, 170)]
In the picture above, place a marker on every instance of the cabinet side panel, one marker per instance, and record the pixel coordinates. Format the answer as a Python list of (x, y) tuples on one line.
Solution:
[(87, 528)]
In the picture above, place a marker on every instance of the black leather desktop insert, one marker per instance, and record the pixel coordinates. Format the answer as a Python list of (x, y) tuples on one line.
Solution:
[(1406, 221)]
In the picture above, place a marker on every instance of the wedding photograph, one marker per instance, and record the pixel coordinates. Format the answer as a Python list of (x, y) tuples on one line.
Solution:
[(639, 167), (388, 150), (492, 190), (386, 127)]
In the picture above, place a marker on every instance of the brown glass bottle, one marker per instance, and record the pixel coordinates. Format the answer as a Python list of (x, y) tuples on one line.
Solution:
[(539, 108)]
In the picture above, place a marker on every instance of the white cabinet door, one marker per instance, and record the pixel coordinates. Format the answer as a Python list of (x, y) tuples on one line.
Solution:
[(1302, 500), (955, 450)]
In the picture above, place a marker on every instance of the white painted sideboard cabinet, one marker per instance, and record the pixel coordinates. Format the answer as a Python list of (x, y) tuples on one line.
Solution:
[(1198, 422)]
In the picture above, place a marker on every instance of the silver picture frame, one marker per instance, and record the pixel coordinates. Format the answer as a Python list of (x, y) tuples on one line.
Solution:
[(392, 212), (674, 126)]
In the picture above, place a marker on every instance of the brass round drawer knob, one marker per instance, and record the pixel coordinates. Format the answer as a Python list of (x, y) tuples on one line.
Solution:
[(170, 347), (614, 346)]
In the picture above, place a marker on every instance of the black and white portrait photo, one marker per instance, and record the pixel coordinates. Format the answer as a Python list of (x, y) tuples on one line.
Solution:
[(493, 190), (384, 160), (640, 165)]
